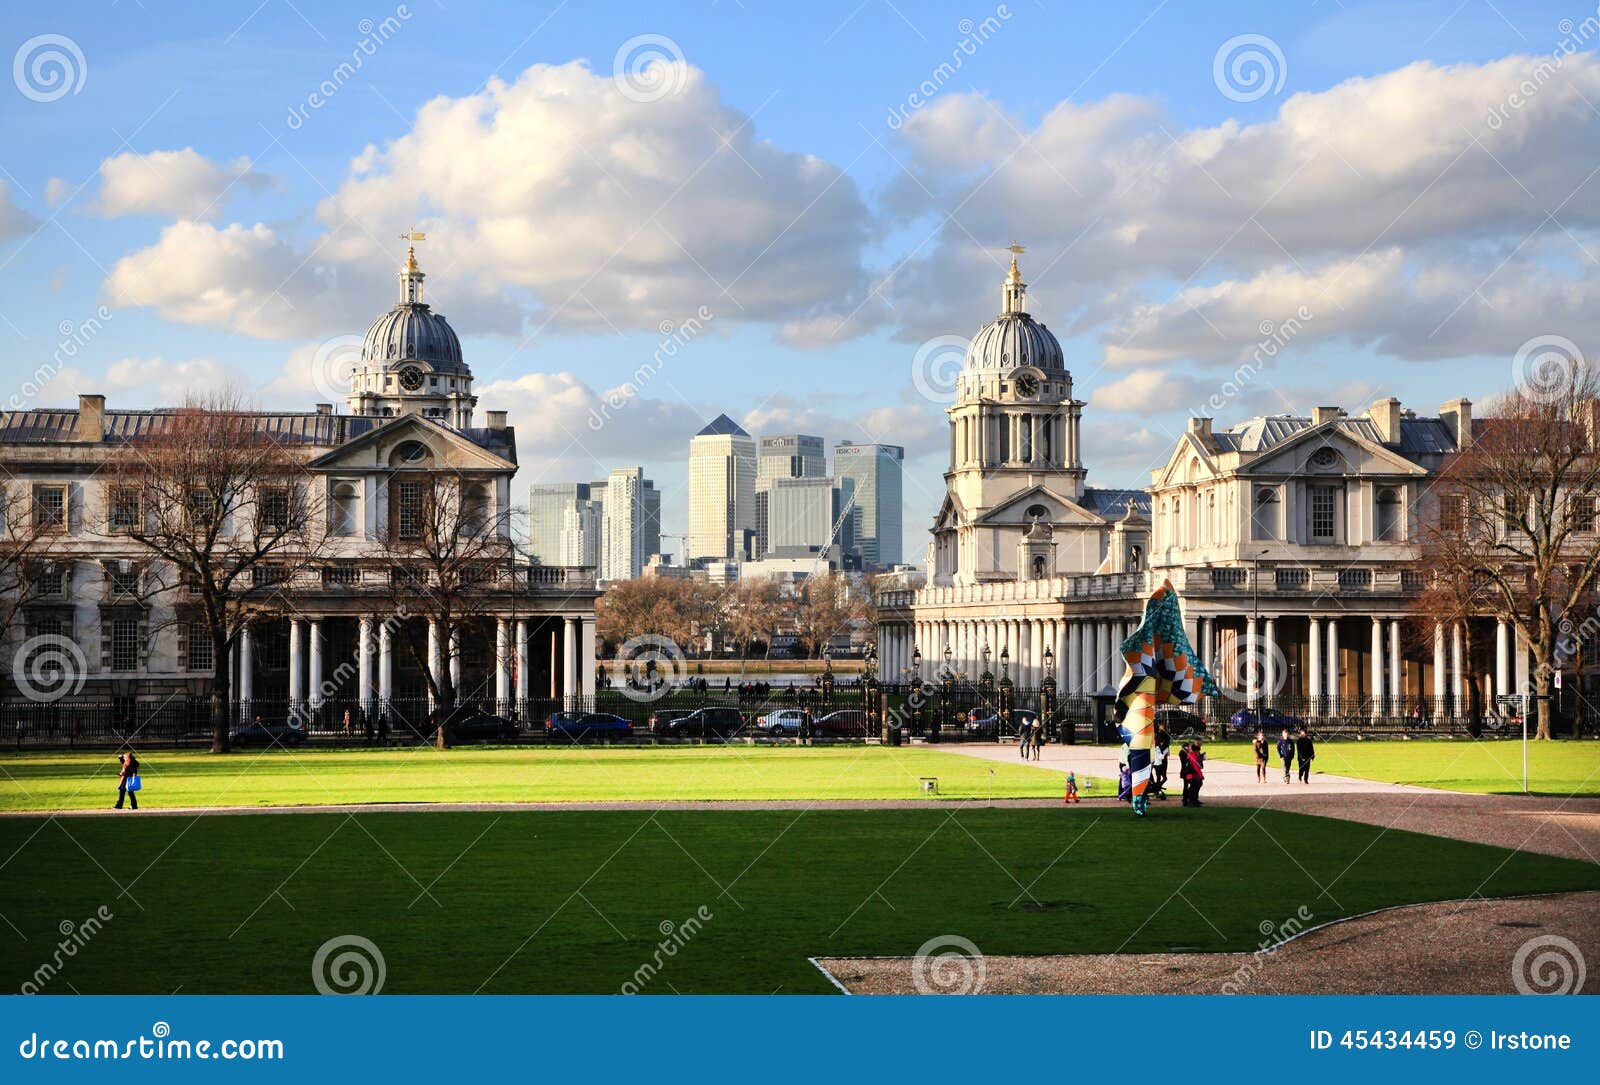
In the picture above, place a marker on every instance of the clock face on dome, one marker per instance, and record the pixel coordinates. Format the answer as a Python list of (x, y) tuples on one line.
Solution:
[(411, 378), (1027, 385)]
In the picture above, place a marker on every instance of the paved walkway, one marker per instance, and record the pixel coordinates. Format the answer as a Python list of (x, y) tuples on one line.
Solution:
[(1525, 944)]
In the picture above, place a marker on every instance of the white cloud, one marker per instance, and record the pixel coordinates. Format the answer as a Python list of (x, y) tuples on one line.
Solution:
[(176, 184)]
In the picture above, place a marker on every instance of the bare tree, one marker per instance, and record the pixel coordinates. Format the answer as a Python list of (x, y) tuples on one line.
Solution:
[(1513, 527), (449, 557), (221, 502), (827, 606), (26, 535)]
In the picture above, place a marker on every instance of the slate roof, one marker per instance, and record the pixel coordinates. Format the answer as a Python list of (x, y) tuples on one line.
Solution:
[(722, 426)]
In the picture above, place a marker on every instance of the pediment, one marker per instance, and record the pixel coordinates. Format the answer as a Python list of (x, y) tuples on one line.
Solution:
[(1060, 510), (1358, 456), (374, 450)]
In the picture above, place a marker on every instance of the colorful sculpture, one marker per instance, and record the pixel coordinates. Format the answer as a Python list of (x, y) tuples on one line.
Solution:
[(1162, 670)]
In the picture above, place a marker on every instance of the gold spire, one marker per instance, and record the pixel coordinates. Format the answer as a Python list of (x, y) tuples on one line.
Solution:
[(410, 274), (411, 250), (1016, 250), (1015, 290)]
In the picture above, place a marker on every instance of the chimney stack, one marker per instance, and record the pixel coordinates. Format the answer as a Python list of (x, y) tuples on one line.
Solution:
[(1319, 415), (1457, 418), (324, 408), (496, 419), (1385, 415), (91, 419)]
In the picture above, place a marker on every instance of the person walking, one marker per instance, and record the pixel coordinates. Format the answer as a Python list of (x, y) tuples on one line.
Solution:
[(1286, 753), (1260, 747), (1038, 737), (1024, 733), (1307, 750), (1197, 772), (1186, 774), (128, 775), (1158, 767)]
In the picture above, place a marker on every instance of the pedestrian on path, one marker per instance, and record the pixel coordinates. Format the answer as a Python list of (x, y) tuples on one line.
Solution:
[(1024, 733), (1158, 764), (1260, 746), (1286, 753), (1072, 788), (128, 775), (1038, 737), (1307, 750), (1197, 772)]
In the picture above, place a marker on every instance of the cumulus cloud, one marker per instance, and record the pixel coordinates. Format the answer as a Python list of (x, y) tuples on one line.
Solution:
[(176, 184)]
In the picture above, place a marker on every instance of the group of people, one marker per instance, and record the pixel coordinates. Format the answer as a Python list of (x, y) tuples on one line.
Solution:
[(1030, 738), (1191, 769), (1290, 748)]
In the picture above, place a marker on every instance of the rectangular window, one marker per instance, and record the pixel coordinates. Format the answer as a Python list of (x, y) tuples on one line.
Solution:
[(201, 658), (48, 584), (203, 508), (123, 512), (273, 512), (1582, 513), (49, 508), (1453, 513), (123, 583), (1323, 504), (408, 499), (125, 644), (44, 625)]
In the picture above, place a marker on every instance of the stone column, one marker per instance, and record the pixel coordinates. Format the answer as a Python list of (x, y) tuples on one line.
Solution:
[(364, 662), (1102, 655), (434, 668), (455, 663), (586, 661), (1377, 667), (1458, 674), (1252, 661), (385, 664), (1502, 657), (1438, 671), (1269, 666), (522, 666), (502, 663), (1314, 665), (314, 693), (296, 686), (1335, 689), (1397, 674), (569, 662), (247, 672)]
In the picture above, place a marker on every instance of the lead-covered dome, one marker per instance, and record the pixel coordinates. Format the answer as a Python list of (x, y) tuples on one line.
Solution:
[(412, 332), (1014, 338)]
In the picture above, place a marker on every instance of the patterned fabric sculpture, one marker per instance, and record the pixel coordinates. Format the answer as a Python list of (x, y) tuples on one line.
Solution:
[(1162, 670)]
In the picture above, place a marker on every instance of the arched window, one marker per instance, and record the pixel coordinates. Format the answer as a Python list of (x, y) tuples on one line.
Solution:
[(1177, 521), (1264, 518), (345, 511), (1388, 515), (1038, 567)]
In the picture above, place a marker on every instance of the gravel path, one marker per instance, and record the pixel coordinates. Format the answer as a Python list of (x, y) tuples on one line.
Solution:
[(1471, 947)]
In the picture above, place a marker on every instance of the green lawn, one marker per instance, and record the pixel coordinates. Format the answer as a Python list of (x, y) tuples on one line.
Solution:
[(578, 901), (62, 781), (1486, 766)]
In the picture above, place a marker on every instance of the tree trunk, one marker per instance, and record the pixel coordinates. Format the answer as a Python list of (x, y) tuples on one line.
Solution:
[(1543, 690), (221, 691)]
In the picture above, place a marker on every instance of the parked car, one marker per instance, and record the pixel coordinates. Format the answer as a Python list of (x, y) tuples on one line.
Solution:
[(715, 722), (268, 733), (480, 727), (1269, 720), (785, 721), (985, 723), (845, 723), (1178, 722), (662, 719), (577, 726)]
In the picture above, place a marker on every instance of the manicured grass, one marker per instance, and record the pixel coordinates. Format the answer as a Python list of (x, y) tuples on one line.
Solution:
[(1487, 766), (63, 781), (578, 901)]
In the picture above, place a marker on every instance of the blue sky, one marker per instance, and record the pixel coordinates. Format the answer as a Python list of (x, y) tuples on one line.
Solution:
[(235, 231)]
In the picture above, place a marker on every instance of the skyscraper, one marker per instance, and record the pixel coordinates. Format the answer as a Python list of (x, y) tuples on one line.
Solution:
[(803, 513), (548, 506), (793, 455), (722, 482), (877, 471), (630, 518)]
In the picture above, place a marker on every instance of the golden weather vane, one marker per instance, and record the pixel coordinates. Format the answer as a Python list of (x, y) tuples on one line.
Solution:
[(1015, 249), (413, 235)]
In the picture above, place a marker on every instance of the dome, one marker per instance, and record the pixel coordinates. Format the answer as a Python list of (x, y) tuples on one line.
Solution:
[(1014, 338), (413, 332)]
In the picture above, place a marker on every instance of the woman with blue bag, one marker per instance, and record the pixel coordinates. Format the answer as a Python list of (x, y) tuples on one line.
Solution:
[(128, 782)]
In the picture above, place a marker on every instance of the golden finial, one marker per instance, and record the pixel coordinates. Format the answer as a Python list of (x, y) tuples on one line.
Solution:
[(411, 250), (1015, 250)]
